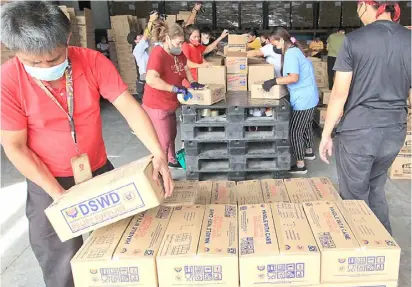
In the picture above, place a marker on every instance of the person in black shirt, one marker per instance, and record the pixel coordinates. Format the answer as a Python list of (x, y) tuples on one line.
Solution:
[(373, 78)]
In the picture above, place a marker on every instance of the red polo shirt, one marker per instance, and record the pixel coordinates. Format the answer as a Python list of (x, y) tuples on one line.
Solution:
[(24, 105)]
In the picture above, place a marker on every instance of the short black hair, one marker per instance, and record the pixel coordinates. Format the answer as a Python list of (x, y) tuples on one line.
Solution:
[(341, 29), (206, 30), (253, 33)]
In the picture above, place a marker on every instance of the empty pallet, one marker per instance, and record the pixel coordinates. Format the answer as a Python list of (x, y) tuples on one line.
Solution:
[(235, 175)]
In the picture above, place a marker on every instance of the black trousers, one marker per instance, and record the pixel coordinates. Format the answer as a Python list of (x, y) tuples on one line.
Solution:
[(301, 132), (140, 84), (363, 158), (53, 255), (331, 72)]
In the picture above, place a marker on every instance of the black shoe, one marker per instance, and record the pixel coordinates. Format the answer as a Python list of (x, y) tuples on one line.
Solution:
[(310, 156), (298, 170), (176, 165)]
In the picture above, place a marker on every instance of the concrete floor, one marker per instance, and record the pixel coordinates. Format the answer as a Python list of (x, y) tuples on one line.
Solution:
[(20, 268)]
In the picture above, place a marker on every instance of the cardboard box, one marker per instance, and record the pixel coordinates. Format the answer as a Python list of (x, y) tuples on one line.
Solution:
[(321, 73), (362, 284), (204, 194), (85, 18), (300, 190), (184, 193), (257, 74), (236, 63), (216, 60), (256, 61), (402, 167), (370, 256), (276, 92), (223, 192), (407, 146), (266, 259), (196, 254), (215, 75), (274, 190), (183, 15), (105, 199), (237, 43), (127, 248), (249, 192), (409, 119), (236, 82), (324, 189), (111, 35), (209, 95), (171, 19), (320, 115), (326, 96)]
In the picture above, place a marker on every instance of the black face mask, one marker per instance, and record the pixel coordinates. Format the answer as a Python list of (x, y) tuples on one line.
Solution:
[(277, 51)]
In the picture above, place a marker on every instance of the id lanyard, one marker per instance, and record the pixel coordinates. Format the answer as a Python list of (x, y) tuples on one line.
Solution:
[(70, 101)]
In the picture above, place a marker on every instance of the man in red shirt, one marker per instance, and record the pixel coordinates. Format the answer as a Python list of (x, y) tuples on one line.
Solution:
[(50, 116)]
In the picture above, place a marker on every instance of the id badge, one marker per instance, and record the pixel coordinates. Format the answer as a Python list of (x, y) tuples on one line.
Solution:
[(81, 168)]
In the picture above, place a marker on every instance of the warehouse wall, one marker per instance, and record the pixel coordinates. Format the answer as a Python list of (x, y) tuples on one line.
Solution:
[(101, 17)]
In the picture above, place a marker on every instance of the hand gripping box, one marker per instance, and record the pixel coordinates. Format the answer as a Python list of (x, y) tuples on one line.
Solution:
[(200, 247), (300, 190), (275, 93), (207, 96), (274, 190), (223, 192), (324, 189), (123, 253), (291, 258), (354, 245), (249, 192), (105, 199)]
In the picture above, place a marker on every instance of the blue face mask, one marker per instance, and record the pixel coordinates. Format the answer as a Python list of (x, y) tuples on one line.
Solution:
[(47, 74)]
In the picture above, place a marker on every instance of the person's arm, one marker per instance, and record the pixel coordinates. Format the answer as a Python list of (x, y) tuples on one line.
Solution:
[(255, 53), (289, 79), (140, 49), (213, 45), (28, 163), (192, 17), (148, 29), (153, 79), (189, 76)]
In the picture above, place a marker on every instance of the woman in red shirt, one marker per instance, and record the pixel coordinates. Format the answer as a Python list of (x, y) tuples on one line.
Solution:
[(195, 52), (166, 69)]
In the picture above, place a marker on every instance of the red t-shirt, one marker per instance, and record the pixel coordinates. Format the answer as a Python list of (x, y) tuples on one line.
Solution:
[(171, 70), (24, 105), (195, 55)]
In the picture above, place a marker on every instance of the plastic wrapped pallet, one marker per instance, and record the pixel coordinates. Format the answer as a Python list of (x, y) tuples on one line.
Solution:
[(173, 7), (405, 13), (279, 13), (329, 13), (302, 14), (349, 16), (251, 14), (227, 14)]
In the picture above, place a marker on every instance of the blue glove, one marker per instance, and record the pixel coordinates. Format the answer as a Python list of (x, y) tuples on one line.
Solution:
[(179, 90), (187, 96), (196, 86)]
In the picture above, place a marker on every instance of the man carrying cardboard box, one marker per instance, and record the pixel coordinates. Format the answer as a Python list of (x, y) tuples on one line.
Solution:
[(50, 137), (371, 90)]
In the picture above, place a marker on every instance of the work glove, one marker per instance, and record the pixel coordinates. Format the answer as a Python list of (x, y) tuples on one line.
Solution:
[(196, 86), (267, 85), (182, 90)]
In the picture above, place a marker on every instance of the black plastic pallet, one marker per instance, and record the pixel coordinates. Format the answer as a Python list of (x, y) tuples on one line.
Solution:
[(236, 110), (234, 131), (236, 147), (236, 176), (244, 163)]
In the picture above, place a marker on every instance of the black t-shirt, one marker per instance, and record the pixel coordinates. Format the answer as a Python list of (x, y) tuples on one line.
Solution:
[(379, 55)]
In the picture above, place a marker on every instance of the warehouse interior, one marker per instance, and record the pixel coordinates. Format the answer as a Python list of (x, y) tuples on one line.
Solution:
[(305, 20)]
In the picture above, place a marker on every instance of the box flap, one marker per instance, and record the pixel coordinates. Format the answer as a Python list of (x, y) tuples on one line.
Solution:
[(183, 232), (236, 54), (329, 227), (274, 190), (249, 192), (219, 231), (144, 234), (292, 229), (223, 192), (367, 228), (257, 235), (324, 189), (102, 243), (204, 194), (300, 190)]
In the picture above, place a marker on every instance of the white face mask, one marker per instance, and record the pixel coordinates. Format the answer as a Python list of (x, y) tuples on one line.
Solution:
[(48, 74)]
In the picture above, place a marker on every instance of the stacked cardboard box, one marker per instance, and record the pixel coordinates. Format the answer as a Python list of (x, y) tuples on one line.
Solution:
[(122, 26), (85, 25), (214, 75), (71, 15), (257, 75), (402, 166), (321, 72), (112, 48), (236, 69), (6, 54), (302, 14)]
